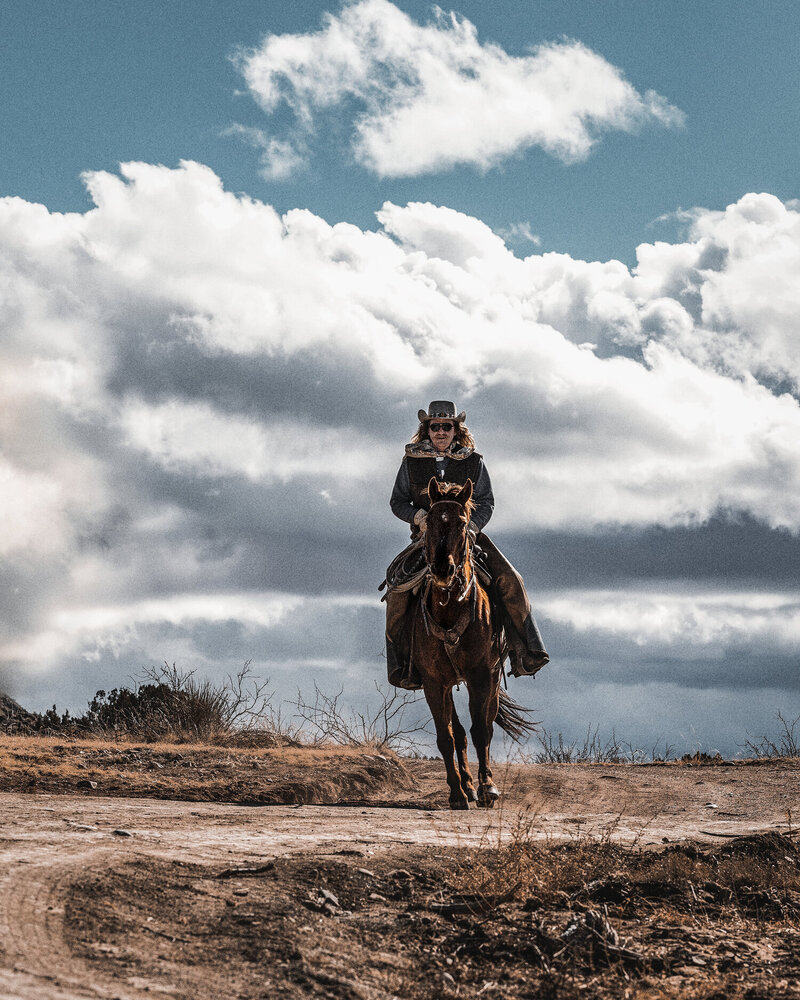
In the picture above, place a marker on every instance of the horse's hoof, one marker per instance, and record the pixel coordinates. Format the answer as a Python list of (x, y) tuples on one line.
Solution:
[(459, 804), (487, 796), (471, 794)]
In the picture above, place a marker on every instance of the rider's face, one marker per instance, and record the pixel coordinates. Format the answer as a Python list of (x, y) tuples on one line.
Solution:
[(440, 437)]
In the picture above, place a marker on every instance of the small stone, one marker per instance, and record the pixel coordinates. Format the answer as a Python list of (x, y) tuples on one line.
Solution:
[(122, 833), (241, 892), (450, 980), (401, 875), (86, 783), (324, 901)]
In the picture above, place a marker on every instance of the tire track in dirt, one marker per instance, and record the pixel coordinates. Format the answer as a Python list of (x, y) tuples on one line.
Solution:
[(48, 844), (37, 962)]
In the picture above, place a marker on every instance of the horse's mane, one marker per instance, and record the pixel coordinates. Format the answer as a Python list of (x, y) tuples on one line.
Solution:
[(447, 488)]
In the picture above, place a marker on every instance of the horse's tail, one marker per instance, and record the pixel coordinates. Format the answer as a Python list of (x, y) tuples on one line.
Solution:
[(511, 718)]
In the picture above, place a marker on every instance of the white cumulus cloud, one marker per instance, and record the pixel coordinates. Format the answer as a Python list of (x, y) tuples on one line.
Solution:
[(737, 279), (430, 96), (205, 332), (193, 437)]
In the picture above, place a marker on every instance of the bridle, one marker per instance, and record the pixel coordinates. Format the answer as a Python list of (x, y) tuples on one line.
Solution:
[(466, 581), (459, 574)]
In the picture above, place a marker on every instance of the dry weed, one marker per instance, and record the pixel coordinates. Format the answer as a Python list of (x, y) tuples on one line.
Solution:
[(390, 725), (787, 745)]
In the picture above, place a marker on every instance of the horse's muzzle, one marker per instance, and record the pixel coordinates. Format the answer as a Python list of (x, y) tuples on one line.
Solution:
[(444, 573)]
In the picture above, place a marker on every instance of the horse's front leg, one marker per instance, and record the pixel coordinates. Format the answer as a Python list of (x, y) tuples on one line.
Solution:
[(460, 737), (440, 702), (483, 703)]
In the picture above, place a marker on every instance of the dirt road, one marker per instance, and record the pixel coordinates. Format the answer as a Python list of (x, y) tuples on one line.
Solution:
[(48, 843)]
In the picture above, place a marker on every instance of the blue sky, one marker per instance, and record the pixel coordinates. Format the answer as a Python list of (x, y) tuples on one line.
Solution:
[(92, 84), (242, 243)]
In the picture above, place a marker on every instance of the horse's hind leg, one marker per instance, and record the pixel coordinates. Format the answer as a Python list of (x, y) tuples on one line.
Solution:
[(483, 703), (460, 738), (440, 702)]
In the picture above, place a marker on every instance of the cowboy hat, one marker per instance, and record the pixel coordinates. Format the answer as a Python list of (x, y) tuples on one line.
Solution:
[(441, 408)]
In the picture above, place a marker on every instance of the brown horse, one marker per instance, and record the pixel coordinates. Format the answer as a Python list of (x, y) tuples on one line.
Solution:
[(455, 641)]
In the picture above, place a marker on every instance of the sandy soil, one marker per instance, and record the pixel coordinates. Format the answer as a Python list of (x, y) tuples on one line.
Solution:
[(588, 880)]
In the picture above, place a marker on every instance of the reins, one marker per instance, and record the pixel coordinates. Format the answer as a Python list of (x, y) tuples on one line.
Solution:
[(449, 636)]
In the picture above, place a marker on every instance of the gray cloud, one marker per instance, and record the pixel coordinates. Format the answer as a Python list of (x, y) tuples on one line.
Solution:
[(738, 550)]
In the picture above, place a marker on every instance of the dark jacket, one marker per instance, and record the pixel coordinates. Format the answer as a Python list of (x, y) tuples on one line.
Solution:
[(420, 464)]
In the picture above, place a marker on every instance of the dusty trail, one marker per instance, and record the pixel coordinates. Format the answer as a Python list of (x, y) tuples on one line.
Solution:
[(47, 842)]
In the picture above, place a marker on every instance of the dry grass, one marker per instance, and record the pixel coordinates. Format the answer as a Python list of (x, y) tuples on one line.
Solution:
[(517, 917), (585, 919), (712, 923), (197, 772)]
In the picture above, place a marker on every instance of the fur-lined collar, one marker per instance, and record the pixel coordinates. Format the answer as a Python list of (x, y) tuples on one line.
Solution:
[(425, 449)]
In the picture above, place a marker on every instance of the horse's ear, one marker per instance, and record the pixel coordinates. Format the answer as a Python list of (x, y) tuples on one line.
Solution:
[(464, 495), (433, 490)]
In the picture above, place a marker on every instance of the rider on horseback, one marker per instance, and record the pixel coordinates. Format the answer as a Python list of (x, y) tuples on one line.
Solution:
[(443, 449)]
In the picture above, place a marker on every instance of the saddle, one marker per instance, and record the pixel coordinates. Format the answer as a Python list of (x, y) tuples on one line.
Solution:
[(408, 569)]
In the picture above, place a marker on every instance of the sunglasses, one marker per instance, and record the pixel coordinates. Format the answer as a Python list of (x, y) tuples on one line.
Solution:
[(441, 427)]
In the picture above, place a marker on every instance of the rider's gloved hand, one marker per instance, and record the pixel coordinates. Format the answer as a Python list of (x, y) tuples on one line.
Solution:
[(472, 530), (421, 520)]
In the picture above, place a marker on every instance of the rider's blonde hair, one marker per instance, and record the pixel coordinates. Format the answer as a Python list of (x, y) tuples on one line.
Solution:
[(462, 436)]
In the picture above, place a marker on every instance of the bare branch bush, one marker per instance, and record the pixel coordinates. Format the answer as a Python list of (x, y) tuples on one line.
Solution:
[(788, 744), (389, 726), (205, 708)]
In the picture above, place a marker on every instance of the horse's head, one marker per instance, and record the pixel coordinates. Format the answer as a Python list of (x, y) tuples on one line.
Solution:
[(446, 534)]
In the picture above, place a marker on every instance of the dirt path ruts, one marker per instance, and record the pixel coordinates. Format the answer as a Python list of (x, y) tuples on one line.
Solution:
[(48, 842), (36, 960)]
